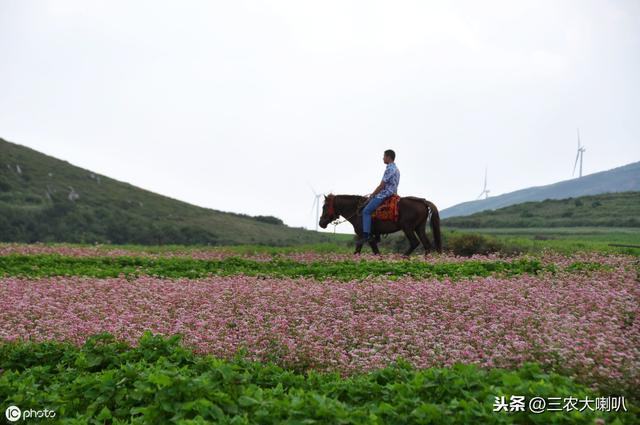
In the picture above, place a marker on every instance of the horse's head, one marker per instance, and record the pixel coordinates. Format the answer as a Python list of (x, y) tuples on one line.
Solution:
[(328, 211)]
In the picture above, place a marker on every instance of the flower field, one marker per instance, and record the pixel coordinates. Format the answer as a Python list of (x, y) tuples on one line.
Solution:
[(377, 340)]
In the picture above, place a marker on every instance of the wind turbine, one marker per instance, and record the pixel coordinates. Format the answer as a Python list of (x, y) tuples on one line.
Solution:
[(316, 205), (581, 150), (485, 191)]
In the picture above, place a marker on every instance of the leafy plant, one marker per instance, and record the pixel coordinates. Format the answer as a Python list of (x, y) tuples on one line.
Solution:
[(184, 267), (158, 381)]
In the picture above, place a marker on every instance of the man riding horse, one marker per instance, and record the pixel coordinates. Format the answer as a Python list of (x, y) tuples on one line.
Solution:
[(410, 214), (387, 187)]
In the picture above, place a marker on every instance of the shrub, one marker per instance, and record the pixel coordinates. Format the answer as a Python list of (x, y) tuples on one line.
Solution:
[(268, 219), (468, 244)]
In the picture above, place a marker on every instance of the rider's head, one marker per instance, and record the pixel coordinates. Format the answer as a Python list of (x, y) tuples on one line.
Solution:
[(389, 156)]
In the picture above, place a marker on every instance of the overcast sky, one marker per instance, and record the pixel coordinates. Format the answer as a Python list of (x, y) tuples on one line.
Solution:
[(240, 106)]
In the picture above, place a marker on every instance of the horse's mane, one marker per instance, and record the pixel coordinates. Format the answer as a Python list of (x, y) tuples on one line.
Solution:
[(349, 197)]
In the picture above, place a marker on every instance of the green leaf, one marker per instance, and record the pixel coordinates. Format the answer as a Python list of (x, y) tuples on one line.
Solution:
[(104, 414)]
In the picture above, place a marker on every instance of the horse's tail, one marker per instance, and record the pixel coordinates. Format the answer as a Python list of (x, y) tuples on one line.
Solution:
[(435, 225)]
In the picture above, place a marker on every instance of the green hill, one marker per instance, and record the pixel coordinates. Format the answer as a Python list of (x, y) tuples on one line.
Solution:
[(49, 200), (619, 209), (620, 179)]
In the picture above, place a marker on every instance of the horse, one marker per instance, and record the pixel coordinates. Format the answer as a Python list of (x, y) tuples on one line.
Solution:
[(413, 214)]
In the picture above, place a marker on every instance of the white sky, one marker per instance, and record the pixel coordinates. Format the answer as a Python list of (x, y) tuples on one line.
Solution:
[(240, 105)]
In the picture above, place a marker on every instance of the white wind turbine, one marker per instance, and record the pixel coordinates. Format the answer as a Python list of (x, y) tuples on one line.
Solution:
[(579, 154), (485, 191), (316, 204)]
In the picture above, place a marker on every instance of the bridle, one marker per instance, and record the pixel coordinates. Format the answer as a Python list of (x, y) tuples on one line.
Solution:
[(331, 211), (330, 208)]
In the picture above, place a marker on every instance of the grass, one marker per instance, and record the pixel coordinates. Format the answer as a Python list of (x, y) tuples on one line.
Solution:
[(566, 240), (336, 244), (563, 239)]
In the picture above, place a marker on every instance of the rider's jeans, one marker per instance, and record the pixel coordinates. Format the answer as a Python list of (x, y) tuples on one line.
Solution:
[(366, 213)]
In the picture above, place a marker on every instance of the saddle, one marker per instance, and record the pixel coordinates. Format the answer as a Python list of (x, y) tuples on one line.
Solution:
[(388, 210)]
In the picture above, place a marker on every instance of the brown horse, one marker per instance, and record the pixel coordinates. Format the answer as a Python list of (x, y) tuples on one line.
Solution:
[(412, 219)]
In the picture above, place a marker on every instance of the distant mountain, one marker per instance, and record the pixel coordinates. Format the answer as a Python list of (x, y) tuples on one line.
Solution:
[(619, 209), (621, 179), (46, 199)]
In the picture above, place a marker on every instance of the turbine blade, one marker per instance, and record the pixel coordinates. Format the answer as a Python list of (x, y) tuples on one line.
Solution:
[(312, 189), (575, 163), (578, 138)]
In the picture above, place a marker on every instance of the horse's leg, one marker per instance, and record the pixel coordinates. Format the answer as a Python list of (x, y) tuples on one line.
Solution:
[(413, 241), (358, 248), (376, 237), (422, 234)]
